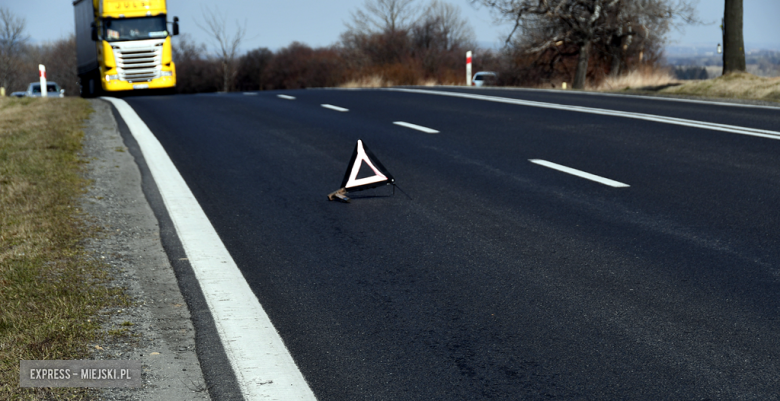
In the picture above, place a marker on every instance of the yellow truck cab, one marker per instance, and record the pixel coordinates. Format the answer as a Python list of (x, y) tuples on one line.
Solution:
[(123, 45)]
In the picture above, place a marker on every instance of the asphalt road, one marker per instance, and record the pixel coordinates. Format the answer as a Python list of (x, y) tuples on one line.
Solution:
[(489, 276)]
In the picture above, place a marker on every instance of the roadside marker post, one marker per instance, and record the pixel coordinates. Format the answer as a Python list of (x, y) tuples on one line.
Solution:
[(351, 183), (42, 74), (468, 68)]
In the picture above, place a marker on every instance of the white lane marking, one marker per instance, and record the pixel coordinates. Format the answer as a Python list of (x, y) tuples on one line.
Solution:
[(288, 97), (660, 98), (332, 107), (262, 364), (417, 127), (250, 93), (605, 112), (579, 173)]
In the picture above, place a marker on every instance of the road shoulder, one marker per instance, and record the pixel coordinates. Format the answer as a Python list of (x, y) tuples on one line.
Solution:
[(156, 329)]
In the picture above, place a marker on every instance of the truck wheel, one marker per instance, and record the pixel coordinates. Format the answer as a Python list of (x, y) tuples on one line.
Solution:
[(87, 87), (83, 86)]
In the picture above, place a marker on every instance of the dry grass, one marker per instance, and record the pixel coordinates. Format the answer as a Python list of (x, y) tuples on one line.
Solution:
[(373, 81), (49, 288), (731, 86), (636, 79), (379, 81)]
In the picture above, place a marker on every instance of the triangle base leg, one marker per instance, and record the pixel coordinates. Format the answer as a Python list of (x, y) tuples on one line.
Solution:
[(340, 195)]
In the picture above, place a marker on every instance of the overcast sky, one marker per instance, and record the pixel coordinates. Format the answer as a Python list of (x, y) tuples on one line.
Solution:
[(275, 24)]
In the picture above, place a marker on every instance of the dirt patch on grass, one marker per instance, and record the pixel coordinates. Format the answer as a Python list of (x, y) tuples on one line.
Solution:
[(50, 288)]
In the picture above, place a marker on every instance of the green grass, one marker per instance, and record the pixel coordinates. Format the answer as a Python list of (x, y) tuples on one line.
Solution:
[(50, 288)]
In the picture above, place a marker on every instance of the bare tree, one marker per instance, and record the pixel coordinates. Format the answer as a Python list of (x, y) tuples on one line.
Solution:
[(454, 31), (548, 24), (733, 41), (195, 71), (554, 22), (251, 68), (644, 23), (383, 16), (12, 41), (216, 26), (378, 33)]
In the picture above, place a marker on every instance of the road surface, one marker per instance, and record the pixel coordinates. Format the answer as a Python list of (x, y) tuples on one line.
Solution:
[(508, 265)]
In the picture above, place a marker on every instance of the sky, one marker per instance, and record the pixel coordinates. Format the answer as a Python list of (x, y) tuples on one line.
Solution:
[(276, 24)]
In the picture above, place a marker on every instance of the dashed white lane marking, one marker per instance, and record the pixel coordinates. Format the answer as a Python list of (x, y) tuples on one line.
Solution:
[(579, 173), (262, 364), (332, 107), (417, 127), (250, 93), (288, 97), (590, 110)]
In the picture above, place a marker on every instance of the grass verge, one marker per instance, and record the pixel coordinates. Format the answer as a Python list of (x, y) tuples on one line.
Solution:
[(50, 288), (645, 78), (732, 86), (741, 86)]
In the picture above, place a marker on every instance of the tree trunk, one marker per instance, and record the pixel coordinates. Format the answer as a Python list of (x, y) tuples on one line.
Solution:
[(582, 66), (616, 53), (733, 41), (614, 69), (225, 75)]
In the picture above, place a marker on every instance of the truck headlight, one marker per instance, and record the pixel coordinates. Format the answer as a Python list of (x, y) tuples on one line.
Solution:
[(110, 78), (166, 74)]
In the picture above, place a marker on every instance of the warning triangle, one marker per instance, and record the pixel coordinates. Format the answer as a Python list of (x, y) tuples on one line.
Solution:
[(365, 171), (364, 164)]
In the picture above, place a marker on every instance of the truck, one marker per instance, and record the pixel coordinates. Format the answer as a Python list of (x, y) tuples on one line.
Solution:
[(124, 45)]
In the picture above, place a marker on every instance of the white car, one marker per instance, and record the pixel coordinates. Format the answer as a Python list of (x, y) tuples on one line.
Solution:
[(484, 78), (52, 90)]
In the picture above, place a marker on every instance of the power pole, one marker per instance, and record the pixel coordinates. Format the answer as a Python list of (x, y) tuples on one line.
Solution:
[(733, 40)]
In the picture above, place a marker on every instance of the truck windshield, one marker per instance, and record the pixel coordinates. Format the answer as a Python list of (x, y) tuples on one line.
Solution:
[(135, 28)]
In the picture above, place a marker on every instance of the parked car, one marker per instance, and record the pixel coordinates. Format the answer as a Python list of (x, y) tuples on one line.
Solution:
[(19, 94), (52, 89), (484, 78)]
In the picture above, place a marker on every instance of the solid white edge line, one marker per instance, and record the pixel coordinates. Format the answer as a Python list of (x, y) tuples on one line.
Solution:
[(647, 97), (590, 110), (417, 127), (288, 97), (332, 107), (579, 173), (262, 364)]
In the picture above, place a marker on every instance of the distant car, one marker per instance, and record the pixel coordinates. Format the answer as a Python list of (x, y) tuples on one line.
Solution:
[(19, 94), (484, 78), (52, 89)]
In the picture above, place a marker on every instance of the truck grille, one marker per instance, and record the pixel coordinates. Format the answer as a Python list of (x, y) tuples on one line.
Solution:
[(139, 61)]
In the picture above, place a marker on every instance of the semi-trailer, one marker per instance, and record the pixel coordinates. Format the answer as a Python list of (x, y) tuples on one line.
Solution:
[(124, 45)]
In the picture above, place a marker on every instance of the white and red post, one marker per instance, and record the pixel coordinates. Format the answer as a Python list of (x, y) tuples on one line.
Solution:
[(42, 73), (468, 68)]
